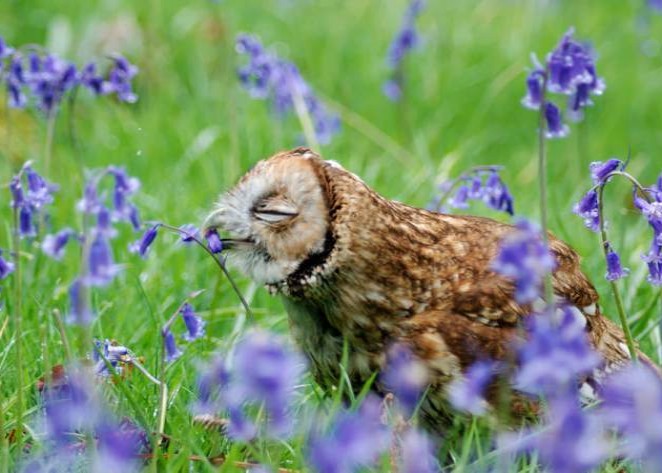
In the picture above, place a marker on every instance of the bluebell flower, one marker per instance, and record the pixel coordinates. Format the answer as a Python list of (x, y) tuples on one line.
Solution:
[(90, 203), (360, 436), (5, 49), (632, 404), (556, 353), (268, 76), (265, 371), (524, 258), (404, 41), (417, 453), (171, 349), (405, 376), (49, 80), (101, 266), (555, 126), (587, 208), (54, 245), (143, 244), (600, 170), (533, 98), (26, 226), (120, 78), (614, 269), (6, 267), (214, 242), (15, 82), (213, 382), (40, 192), (113, 353), (655, 5), (496, 195), (467, 393), (16, 189), (653, 260), (483, 184), (189, 233), (569, 70), (105, 222), (79, 309), (653, 213), (194, 324)]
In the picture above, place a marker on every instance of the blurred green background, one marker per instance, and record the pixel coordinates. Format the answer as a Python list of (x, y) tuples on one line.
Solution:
[(194, 131)]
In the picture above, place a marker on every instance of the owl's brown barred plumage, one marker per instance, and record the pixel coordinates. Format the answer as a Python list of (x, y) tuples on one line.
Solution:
[(351, 264)]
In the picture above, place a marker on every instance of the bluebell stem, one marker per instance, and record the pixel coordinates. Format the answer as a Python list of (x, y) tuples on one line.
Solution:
[(268, 76), (404, 41), (525, 258)]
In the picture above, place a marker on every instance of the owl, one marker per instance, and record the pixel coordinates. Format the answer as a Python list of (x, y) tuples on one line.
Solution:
[(355, 268)]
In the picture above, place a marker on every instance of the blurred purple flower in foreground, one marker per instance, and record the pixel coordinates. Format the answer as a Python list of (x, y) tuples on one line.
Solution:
[(468, 393), (6, 267), (556, 353), (570, 440), (568, 70), (54, 245), (404, 41), (632, 404), (354, 440), (405, 376), (524, 258), (72, 415), (417, 453), (264, 372), (268, 76), (143, 244)]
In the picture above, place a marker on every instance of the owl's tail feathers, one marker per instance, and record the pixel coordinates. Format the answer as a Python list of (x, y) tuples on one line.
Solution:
[(609, 340)]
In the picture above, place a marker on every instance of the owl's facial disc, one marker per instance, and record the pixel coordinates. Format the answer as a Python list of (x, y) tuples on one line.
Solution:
[(274, 220)]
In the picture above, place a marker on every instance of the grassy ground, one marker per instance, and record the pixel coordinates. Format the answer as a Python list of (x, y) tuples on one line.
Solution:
[(194, 131)]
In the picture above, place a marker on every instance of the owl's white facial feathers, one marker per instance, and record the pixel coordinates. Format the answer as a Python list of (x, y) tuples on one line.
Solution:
[(288, 186)]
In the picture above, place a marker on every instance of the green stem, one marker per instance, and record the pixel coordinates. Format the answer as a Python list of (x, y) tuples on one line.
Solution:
[(304, 118), (18, 331), (48, 147), (605, 248), (542, 187)]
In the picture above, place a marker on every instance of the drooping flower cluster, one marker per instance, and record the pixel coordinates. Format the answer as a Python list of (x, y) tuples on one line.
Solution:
[(404, 41), (108, 353), (98, 265), (569, 70), (262, 372), (195, 328), (647, 200), (267, 76), (483, 184), (72, 416), (44, 80), (524, 258), (29, 200)]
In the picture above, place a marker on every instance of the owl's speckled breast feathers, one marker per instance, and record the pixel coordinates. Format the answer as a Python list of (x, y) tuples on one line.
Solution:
[(352, 265)]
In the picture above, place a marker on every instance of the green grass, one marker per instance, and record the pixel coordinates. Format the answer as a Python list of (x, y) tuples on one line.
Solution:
[(194, 131)]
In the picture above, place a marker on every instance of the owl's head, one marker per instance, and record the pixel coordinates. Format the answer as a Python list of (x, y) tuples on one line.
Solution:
[(277, 217)]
